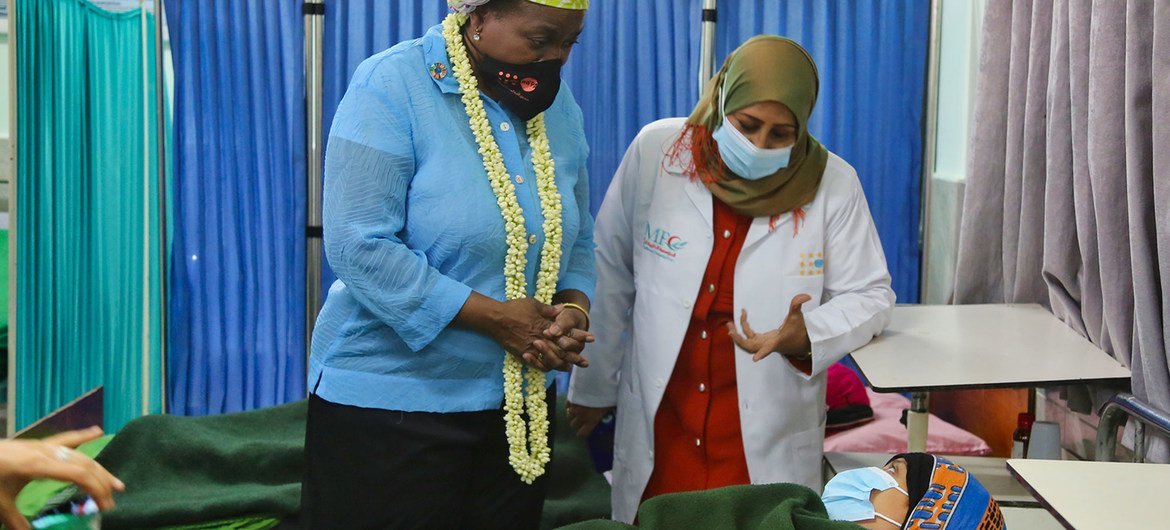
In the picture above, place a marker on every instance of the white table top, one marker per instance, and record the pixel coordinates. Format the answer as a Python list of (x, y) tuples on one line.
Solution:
[(1092, 495), (946, 347), (1029, 519), (992, 473)]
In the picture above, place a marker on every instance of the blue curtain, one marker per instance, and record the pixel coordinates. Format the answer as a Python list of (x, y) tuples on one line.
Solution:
[(237, 334), (638, 61), (872, 60), (87, 232), (237, 271)]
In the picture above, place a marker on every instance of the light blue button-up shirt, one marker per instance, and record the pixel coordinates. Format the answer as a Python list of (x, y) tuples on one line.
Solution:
[(412, 227)]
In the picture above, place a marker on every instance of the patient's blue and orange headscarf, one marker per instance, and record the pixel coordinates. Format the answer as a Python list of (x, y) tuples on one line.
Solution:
[(948, 496)]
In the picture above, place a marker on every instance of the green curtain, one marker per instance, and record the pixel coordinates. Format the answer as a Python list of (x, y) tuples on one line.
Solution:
[(87, 223)]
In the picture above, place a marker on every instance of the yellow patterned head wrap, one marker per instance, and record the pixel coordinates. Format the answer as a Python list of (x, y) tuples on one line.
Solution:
[(467, 6)]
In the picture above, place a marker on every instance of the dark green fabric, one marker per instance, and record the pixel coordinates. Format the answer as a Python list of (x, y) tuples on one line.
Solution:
[(184, 471), (241, 523), (37, 493), (576, 491), (771, 506)]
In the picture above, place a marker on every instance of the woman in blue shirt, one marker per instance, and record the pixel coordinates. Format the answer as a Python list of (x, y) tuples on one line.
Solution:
[(456, 218)]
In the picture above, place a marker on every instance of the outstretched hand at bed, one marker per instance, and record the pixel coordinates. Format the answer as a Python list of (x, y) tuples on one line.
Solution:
[(790, 339), (22, 461)]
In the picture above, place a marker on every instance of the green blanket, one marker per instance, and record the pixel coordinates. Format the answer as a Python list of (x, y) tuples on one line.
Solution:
[(183, 470), (772, 507), (34, 497), (576, 491), (243, 471)]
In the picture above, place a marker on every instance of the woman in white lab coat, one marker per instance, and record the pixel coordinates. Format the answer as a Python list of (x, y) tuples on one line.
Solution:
[(735, 214)]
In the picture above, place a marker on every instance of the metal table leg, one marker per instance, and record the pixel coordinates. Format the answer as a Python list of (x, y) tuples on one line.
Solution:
[(916, 423)]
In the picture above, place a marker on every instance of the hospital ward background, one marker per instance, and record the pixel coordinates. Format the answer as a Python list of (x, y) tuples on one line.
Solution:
[(161, 218)]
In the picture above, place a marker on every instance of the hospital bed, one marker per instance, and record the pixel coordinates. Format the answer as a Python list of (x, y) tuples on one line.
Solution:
[(1106, 494), (944, 347)]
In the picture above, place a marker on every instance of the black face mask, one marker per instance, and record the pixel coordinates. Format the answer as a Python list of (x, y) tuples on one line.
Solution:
[(525, 89)]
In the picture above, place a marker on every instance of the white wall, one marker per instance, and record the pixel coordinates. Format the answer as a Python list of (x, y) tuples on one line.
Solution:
[(961, 24)]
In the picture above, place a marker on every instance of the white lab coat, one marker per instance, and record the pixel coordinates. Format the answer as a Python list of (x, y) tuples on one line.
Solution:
[(654, 237)]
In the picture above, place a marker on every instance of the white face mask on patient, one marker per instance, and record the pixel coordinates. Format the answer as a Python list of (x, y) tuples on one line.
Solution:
[(847, 495)]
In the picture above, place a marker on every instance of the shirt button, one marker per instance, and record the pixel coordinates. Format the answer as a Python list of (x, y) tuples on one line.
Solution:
[(703, 334), (698, 442), (532, 239), (702, 387), (726, 234), (519, 179), (505, 127), (710, 288)]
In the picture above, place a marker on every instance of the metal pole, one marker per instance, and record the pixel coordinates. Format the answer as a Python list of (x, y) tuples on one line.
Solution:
[(917, 425), (314, 12), (145, 216), (929, 144), (1115, 412), (160, 101), (707, 44)]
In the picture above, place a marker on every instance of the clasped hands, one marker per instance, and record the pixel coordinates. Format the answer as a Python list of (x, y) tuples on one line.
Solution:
[(546, 337)]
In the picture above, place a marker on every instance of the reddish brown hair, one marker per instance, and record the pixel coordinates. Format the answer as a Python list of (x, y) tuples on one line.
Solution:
[(696, 153)]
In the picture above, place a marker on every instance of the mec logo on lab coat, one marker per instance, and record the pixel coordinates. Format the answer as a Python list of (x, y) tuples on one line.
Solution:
[(662, 243)]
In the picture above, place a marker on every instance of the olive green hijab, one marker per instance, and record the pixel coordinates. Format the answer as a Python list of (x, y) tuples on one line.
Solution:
[(767, 68)]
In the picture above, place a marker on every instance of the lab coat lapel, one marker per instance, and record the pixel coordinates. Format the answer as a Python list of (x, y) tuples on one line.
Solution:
[(758, 230), (701, 197), (696, 191)]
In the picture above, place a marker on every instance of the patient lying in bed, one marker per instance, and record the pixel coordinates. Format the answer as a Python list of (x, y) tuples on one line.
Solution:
[(926, 490)]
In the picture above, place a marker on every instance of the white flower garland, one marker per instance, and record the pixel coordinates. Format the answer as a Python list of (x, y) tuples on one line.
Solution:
[(528, 448)]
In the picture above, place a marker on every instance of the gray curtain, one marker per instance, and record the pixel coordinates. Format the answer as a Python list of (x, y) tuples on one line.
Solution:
[(1068, 197)]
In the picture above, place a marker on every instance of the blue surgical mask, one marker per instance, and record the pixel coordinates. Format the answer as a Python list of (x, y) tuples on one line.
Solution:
[(846, 496), (742, 156)]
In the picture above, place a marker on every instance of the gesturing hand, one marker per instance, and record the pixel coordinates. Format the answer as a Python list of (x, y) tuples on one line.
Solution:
[(790, 339)]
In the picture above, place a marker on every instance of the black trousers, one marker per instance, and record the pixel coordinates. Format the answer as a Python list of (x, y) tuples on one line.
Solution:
[(376, 469)]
